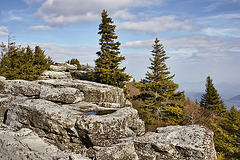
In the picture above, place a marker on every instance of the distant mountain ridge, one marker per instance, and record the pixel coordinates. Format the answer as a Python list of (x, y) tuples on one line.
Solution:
[(234, 101)]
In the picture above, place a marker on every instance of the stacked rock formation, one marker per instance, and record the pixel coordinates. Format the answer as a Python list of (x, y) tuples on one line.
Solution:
[(76, 119)]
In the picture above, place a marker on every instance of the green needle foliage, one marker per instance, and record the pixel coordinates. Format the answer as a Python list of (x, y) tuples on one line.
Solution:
[(76, 62), (211, 99), (158, 91), (23, 63), (107, 69), (225, 124)]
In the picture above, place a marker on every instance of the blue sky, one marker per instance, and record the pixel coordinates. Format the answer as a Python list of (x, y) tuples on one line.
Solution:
[(201, 37)]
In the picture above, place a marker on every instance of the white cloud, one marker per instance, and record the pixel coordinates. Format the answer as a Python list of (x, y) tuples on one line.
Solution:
[(223, 32), (138, 44), (157, 24), (40, 27), (62, 12), (30, 2), (192, 47), (85, 54), (223, 25), (123, 14), (3, 31), (13, 15)]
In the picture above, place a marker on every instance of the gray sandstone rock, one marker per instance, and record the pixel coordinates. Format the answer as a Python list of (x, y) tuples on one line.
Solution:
[(87, 118), (82, 75), (93, 92), (62, 67), (61, 94), (5, 100), (58, 68), (55, 75), (19, 87), (2, 78), (70, 126), (192, 142), (25, 144), (121, 151), (104, 130), (71, 67)]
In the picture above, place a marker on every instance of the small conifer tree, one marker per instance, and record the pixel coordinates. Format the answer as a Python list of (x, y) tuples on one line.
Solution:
[(158, 91), (107, 68), (22, 62), (211, 99), (76, 62)]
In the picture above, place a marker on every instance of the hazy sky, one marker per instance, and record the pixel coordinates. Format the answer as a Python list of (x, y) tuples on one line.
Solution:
[(202, 37)]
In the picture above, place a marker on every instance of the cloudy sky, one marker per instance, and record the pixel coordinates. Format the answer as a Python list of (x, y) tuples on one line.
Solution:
[(202, 37)]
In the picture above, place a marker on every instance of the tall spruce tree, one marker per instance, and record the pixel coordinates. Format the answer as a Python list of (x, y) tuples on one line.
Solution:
[(211, 99), (158, 91), (107, 69)]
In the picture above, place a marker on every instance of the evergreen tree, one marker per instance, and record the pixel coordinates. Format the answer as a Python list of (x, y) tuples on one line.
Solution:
[(211, 99), (226, 129), (22, 63), (158, 91), (76, 62), (107, 69)]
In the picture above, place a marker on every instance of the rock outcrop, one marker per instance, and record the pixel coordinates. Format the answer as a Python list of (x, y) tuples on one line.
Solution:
[(192, 142), (75, 119), (66, 71), (25, 144)]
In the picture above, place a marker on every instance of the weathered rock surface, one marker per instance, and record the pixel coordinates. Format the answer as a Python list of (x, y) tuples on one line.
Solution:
[(93, 92), (25, 144), (55, 75), (58, 71), (19, 88), (191, 142), (66, 91), (83, 75), (70, 119), (64, 123), (2, 78), (61, 94), (121, 151), (104, 130)]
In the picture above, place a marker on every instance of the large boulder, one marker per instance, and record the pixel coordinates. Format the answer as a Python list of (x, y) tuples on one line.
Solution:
[(58, 68), (55, 75), (97, 93), (34, 89), (104, 130), (78, 74), (121, 151), (193, 142), (26, 144), (61, 94), (19, 87), (89, 119), (62, 67), (72, 126)]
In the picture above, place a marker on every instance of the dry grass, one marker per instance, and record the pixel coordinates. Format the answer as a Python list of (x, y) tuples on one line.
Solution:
[(134, 92)]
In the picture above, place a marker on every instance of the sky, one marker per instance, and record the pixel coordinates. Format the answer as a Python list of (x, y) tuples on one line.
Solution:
[(201, 37)]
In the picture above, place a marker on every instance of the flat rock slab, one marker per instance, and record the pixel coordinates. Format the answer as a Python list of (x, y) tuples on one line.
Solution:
[(97, 93)]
